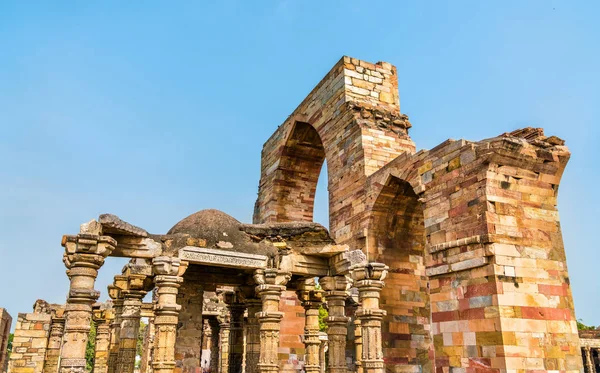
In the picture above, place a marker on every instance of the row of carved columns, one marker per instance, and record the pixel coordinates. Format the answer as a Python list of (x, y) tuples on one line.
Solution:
[(253, 346)]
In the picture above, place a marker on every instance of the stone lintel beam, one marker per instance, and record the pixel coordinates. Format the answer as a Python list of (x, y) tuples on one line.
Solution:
[(136, 247), (305, 265)]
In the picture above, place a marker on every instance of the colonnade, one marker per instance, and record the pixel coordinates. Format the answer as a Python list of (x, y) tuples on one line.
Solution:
[(253, 344)]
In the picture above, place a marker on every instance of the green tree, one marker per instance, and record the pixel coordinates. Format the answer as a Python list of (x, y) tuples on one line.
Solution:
[(9, 347), (582, 326), (322, 316), (140, 343), (90, 350)]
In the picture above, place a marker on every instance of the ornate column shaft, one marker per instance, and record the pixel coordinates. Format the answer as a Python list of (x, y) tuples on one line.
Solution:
[(589, 363), (167, 279), (358, 344), (84, 255), (115, 325), (311, 299), (214, 345), (130, 325), (322, 354), (206, 345), (224, 331), (368, 279), (271, 283), (335, 294), (54, 342), (146, 363), (253, 335), (102, 342)]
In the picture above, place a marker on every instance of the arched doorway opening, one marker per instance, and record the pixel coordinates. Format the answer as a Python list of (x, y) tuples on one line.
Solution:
[(300, 165), (397, 238)]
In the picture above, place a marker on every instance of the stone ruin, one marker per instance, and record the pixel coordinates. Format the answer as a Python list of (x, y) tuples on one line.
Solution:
[(448, 260)]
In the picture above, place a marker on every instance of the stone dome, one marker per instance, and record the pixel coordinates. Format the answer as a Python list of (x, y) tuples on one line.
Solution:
[(216, 227)]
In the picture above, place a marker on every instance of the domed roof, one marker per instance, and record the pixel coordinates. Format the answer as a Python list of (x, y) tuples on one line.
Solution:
[(216, 227)]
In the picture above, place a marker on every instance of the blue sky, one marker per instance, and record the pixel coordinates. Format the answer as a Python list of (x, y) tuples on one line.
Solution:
[(155, 110)]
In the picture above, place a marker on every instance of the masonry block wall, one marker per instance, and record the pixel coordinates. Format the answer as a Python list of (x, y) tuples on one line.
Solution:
[(291, 350), (5, 325), (30, 341), (470, 230), (351, 118), (188, 345)]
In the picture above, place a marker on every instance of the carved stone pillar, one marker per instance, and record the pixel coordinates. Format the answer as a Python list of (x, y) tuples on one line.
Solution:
[(589, 363), (271, 283), (146, 363), (368, 279), (214, 345), (322, 353), (53, 350), (102, 341), (206, 345), (84, 255), (115, 324), (254, 306), (335, 293), (358, 344), (168, 272), (224, 330), (311, 299), (130, 323)]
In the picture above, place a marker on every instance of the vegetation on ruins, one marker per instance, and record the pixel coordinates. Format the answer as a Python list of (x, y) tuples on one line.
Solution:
[(140, 344), (10, 343), (322, 316), (90, 348), (582, 326)]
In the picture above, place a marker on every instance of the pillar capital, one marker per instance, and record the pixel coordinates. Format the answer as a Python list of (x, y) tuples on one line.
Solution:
[(86, 250), (338, 284), (309, 295), (271, 276)]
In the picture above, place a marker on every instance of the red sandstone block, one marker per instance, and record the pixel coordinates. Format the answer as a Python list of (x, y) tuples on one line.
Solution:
[(482, 289), (472, 314), (543, 313), (463, 304), (552, 289), (444, 316)]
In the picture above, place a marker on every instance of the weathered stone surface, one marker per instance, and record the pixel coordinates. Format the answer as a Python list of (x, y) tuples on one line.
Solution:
[(112, 224)]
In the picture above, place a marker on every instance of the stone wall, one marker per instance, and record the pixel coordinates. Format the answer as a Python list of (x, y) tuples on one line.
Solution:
[(5, 325), (31, 339), (188, 345), (470, 230), (351, 118), (291, 348)]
